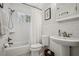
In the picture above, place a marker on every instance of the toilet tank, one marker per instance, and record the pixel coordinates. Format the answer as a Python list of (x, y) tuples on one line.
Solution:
[(45, 40)]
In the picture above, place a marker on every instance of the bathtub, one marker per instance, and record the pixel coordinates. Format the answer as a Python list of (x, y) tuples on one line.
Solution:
[(18, 49)]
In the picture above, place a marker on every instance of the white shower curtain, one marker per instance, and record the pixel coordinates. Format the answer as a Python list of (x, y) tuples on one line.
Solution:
[(3, 22)]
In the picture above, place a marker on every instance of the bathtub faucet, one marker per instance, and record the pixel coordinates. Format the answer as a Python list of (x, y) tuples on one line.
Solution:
[(9, 39), (10, 44)]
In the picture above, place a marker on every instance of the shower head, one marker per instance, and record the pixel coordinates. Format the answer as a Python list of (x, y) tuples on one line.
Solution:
[(11, 10)]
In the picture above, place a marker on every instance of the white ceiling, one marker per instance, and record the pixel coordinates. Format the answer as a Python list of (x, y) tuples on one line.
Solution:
[(39, 5)]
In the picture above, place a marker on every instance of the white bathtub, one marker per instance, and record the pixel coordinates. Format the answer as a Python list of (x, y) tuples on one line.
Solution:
[(18, 50)]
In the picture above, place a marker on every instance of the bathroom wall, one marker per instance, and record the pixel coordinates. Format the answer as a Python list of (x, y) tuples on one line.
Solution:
[(68, 26), (51, 27)]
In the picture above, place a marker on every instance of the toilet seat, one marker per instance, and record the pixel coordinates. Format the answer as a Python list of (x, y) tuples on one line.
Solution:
[(38, 45)]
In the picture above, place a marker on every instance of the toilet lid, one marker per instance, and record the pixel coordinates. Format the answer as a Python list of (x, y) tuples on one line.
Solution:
[(36, 45)]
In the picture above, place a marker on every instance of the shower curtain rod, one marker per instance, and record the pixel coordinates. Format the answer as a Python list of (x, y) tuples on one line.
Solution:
[(32, 6)]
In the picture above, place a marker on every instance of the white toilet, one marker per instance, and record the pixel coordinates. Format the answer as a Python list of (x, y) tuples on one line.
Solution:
[(35, 48)]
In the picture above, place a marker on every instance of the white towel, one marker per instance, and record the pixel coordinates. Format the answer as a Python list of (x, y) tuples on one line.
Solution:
[(11, 22)]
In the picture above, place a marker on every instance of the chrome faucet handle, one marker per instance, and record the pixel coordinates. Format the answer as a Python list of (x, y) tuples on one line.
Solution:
[(69, 35), (64, 34), (10, 43)]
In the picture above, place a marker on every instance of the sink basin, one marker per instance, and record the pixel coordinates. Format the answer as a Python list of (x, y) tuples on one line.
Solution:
[(65, 41)]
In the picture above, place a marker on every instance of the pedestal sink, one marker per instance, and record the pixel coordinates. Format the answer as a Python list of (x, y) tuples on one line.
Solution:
[(65, 43)]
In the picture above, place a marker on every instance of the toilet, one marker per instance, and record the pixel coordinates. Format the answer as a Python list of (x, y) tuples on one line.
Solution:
[(35, 48)]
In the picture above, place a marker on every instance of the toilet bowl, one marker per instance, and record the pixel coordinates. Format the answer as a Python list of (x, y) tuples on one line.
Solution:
[(35, 48)]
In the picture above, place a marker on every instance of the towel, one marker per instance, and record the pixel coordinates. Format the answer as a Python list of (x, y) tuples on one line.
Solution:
[(11, 22)]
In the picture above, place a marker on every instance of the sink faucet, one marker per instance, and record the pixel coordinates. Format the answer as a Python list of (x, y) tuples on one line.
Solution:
[(66, 35), (69, 35)]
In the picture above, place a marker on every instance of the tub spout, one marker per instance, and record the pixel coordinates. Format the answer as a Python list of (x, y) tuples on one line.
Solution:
[(9, 39)]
